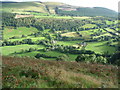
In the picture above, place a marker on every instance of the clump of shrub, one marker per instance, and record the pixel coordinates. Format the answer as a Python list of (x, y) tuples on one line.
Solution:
[(63, 57), (43, 55), (91, 58)]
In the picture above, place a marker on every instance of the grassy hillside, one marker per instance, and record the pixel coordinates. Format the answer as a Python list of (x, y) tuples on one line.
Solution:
[(35, 73), (28, 7), (55, 8)]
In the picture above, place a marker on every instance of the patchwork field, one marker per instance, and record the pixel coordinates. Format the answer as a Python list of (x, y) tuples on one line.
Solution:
[(22, 33)]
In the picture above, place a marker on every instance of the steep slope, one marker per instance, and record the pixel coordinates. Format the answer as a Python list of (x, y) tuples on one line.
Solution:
[(55, 8)]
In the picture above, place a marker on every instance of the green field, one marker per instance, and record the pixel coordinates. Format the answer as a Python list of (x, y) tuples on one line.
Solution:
[(7, 50), (28, 37), (111, 22), (49, 53), (10, 32), (70, 34), (100, 47), (89, 26), (59, 17)]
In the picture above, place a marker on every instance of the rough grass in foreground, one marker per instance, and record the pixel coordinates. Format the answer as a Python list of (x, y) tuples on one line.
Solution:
[(35, 73)]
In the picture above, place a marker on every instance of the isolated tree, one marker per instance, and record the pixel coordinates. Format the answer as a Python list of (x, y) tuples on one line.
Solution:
[(115, 59), (38, 55), (31, 49), (23, 36), (81, 57)]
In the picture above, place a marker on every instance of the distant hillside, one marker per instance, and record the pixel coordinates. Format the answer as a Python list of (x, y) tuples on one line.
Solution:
[(55, 8), (86, 11), (27, 7)]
